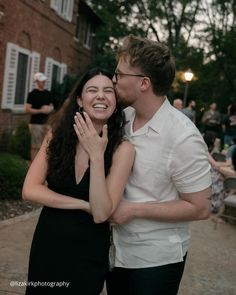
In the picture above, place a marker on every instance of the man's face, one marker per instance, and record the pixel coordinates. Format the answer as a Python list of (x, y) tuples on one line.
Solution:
[(193, 104), (126, 81), (40, 84), (213, 106)]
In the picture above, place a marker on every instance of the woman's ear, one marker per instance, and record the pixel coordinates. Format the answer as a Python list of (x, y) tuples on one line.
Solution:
[(79, 101), (145, 84)]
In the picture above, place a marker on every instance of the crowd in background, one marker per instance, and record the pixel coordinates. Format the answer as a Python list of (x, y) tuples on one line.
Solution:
[(219, 133)]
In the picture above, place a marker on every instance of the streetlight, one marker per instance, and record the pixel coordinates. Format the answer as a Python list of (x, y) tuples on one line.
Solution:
[(188, 76)]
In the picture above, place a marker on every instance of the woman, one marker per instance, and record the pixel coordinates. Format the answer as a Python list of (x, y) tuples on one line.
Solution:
[(229, 125), (86, 164), (218, 192)]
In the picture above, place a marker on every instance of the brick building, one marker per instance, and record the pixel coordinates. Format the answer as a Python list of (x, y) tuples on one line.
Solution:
[(52, 36)]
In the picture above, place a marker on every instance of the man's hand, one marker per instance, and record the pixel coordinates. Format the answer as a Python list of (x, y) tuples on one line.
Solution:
[(124, 213), (46, 109)]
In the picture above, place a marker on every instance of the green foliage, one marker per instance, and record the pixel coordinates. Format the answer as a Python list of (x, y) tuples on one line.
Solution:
[(60, 92), (201, 35), (105, 60), (17, 142), (20, 143), (5, 140), (13, 170)]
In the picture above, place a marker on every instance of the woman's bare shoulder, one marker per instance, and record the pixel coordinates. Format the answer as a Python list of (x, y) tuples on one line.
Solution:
[(126, 147)]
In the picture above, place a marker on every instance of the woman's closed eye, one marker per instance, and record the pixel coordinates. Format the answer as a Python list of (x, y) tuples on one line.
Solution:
[(109, 91), (92, 90)]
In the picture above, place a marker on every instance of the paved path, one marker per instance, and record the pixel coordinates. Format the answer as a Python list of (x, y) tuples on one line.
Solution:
[(210, 269)]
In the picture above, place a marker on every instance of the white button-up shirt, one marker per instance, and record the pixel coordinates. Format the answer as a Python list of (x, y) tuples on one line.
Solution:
[(171, 157)]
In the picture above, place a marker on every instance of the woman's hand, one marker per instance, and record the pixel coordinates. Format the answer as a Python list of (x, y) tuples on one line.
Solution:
[(92, 143)]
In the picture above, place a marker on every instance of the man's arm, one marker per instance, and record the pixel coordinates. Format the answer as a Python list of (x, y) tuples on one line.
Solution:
[(190, 174), (45, 109), (190, 206)]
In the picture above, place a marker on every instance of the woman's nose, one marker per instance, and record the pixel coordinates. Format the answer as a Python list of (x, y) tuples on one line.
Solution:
[(100, 94)]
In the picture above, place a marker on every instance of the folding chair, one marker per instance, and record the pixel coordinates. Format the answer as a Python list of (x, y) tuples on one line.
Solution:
[(229, 212)]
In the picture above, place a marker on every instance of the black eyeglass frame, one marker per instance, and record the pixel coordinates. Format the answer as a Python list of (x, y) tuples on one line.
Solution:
[(124, 74)]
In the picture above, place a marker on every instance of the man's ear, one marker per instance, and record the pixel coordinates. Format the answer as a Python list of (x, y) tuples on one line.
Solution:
[(145, 84)]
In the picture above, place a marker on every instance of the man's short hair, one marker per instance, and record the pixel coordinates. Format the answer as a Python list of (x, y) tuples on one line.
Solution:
[(153, 58)]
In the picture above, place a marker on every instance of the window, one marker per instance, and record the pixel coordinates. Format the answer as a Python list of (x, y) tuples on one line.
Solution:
[(21, 81), (55, 73), (64, 8), (56, 76), (77, 32), (20, 67), (89, 34)]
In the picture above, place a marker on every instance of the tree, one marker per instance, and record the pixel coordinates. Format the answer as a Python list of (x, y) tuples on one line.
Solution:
[(221, 35), (200, 33), (169, 21)]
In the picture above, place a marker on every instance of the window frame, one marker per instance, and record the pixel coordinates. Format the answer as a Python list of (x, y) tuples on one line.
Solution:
[(89, 34), (64, 8), (10, 76)]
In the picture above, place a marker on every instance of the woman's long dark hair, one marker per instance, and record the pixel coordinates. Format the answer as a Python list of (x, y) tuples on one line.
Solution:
[(62, 147)]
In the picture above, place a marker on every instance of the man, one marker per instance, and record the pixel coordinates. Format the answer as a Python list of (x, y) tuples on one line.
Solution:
[(178, 104), (212, 120), (39, 105), (169, 185), (190, 112)]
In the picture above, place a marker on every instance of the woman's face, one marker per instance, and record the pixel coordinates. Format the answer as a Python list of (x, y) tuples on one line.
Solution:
[(98, 98)]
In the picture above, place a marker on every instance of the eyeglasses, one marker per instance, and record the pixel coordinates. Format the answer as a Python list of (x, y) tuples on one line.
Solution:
[(117, 74)]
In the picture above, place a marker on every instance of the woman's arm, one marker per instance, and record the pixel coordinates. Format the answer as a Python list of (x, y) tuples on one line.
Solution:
[(35, 189), (104, 193)]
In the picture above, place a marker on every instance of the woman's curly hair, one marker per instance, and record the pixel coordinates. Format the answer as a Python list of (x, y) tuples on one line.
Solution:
[(62, 147)]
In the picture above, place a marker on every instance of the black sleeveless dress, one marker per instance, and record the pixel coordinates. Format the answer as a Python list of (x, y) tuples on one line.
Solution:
[(68, 247)]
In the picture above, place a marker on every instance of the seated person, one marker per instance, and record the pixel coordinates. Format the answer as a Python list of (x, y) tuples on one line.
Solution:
[(218, 192), (230, 152)]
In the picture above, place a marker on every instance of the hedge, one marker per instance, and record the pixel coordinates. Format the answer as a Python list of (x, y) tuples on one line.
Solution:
[(13, 170)]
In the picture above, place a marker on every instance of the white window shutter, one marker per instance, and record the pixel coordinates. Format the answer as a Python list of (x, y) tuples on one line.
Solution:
[(48, 72), (10, 75), (35, 63), (63, 72), (54, 4), (69, 10)]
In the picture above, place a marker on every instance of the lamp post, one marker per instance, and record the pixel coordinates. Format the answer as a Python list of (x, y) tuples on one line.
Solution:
[(188, 76)]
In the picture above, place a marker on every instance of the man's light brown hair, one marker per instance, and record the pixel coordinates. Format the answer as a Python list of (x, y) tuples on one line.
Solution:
[(153, 58)]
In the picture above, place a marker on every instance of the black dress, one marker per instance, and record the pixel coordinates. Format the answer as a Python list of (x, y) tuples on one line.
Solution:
[(68, 247)]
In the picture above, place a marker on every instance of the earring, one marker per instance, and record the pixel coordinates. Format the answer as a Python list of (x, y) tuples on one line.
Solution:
[(80, 109)]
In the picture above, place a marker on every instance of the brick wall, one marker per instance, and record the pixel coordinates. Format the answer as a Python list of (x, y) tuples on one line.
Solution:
[(33, 25)]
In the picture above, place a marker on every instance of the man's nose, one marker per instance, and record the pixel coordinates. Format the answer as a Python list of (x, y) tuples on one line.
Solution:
[(114, 81)]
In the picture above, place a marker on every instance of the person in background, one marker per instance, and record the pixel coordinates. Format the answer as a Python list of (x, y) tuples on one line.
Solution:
[(189, 111), (169, 184), (211, 120), (39, 104), (178, 104), (230, 152), (229, 125), (218, 192), (79, 175)]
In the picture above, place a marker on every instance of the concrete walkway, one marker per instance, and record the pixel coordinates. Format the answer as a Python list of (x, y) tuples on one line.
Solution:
[(210, 269)]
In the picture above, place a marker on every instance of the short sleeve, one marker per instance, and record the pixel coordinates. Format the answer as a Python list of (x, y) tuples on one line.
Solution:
[(29, 98), (189, 165)]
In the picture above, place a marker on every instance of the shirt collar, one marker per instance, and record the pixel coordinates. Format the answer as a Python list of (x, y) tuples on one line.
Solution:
[(158, 120), (155, 123)]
